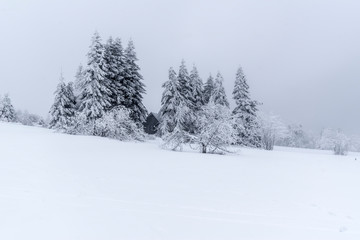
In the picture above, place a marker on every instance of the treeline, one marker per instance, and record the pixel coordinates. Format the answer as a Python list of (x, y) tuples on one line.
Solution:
[(105, 99), (276, 132), (9, 114)]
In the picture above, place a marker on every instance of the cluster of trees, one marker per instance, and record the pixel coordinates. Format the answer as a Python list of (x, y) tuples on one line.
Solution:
[(276, 132), (106, 96), (9, 114), (105, 100), (199, 114)]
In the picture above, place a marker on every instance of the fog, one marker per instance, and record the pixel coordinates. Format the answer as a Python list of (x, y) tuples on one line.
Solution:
[(301, 57)]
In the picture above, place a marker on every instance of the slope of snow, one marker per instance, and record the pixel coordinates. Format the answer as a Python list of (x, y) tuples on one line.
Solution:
[(56, 186)]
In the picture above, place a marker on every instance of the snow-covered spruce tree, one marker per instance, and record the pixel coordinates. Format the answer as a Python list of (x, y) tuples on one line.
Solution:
[(216, 130), (186, 87), (197, 100), (115, 60), (7, 111), (245, 113), (169, 103), (208, 89), (135, 88), (79, 81), (63, 109), (177, 110), (219, 95), (197, 89), (95, 97)]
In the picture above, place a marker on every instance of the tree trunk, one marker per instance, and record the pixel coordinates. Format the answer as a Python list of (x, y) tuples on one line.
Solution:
[(203, 148)]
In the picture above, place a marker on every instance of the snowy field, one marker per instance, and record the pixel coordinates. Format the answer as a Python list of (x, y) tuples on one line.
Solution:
[(62, 187)]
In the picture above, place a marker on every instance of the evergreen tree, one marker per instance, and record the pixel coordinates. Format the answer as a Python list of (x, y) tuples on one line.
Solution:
[(208, 89), (115, 60), (95, 97), (186, 89), (245, 113), (175, 112), (79, 80), (179, 135), (63, 109), (7, 111), (185, 85), (197, 89), (219, 96), (135, 88), (169, 103)]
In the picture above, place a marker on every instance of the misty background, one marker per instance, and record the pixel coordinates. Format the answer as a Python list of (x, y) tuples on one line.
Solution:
[(301, 57)]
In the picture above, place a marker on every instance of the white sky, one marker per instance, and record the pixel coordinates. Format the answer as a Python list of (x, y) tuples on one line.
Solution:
[(301, 57)]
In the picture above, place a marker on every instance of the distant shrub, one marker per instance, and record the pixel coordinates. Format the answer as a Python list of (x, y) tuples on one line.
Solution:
[(335, 140), (30, 119)]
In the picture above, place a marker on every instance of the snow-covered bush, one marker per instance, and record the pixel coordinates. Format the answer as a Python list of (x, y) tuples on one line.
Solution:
[(335, 140), (216, 130), (176, 139), (80, 125), (118, 124), (272, 129), (341, 146), (115, 124), (30, 119), (354, 143), (297, 137)]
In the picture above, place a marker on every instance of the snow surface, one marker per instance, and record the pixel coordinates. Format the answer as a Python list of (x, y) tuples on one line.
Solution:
[(57, 186)]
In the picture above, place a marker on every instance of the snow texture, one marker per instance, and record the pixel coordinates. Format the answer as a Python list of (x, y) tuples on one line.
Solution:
[(57, 186)]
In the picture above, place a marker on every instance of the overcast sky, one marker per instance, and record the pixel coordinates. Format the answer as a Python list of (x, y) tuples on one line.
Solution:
[(301, 57)]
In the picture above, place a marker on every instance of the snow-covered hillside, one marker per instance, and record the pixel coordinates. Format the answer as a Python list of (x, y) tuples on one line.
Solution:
[(56, 186)]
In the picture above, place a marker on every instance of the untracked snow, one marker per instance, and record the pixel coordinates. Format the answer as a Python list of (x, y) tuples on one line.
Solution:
[(56, 186)]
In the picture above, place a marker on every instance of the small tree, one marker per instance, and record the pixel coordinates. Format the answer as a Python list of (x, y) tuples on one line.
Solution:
[(245, 113), (335, 140), (216, 130), (7, 111), (341, 144), (63, 109), (272, 129), (169, 103)]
